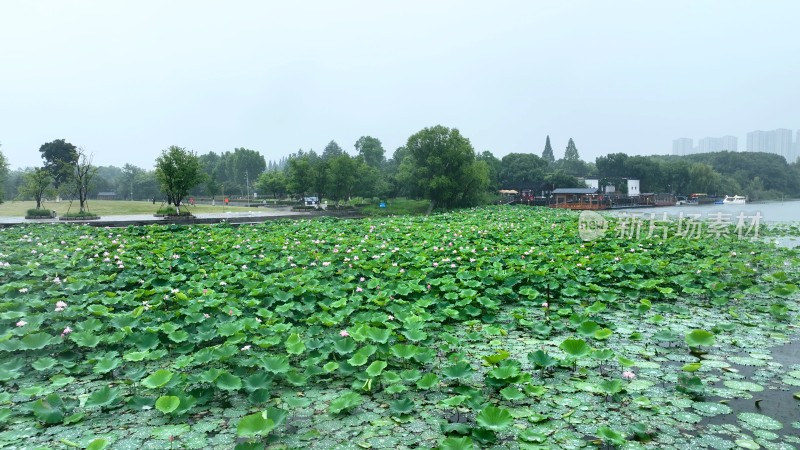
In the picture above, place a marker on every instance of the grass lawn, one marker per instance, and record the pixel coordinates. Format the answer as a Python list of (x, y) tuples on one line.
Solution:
[(108, 207)]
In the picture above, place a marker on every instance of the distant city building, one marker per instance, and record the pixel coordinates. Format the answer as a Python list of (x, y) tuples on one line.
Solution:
[(730, 143), (777, 141), (682, 146)]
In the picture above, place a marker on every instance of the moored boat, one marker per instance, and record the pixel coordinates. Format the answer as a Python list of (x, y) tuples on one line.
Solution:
[(735, 200)]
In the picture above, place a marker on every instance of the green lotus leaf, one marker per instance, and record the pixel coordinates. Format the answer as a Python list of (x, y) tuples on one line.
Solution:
[(105, 365), (330, 366), (511, 393), (575, 347), (85, 339), (276, 364), (609, 435), (98, 444), (167, 403), (157, 379), (401, 406), (35, 341), (458, 370), (497, 357), (494, 418), (602, 334), (294, 344), (380, 335), (257, 424), (692, 367), (344, 346), (587, 328), (104, 396), (44, 363), (376, 368), (541, 359), (454, 443), (404, 351), (697, 338), (228, 382), (428, 381), (345, 402)]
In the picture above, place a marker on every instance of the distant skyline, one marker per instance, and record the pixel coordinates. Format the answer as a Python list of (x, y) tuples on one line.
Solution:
[(125, 80)]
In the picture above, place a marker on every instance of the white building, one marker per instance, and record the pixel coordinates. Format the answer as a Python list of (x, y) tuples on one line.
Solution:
[(633, 188)]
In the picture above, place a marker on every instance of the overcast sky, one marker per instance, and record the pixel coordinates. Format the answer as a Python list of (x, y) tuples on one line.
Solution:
[(126, 79)]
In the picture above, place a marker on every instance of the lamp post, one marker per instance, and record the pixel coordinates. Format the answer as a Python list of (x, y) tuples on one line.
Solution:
[(247, 183)]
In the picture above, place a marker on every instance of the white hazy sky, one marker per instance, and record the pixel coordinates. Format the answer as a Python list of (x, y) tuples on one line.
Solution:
[(126, 79)]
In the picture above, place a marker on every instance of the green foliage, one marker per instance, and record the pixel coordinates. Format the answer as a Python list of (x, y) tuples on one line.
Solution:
[(494, 418), (441, 166), (253, 425), (345, 402), (178, 170)]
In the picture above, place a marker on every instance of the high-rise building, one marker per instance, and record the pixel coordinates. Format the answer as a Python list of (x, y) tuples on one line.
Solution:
[(783, 142), (757, 141), (682, 146), (777, 141), (730, 143), (709, 144)]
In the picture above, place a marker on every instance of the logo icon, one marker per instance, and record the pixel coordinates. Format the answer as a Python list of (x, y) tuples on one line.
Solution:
[(591, 225)]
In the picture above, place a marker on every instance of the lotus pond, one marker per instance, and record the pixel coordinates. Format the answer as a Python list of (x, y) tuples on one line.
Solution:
[(488, 328)]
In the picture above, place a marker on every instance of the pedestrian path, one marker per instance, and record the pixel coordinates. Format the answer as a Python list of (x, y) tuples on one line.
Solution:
[(145, 219)]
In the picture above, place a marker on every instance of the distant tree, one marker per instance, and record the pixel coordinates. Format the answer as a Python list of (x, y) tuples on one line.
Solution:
[(560, 179), (274, 182), (342, 177), (547, 154), (371, 150), (704, 179), (82, 174), (494, 165), (300, 174), (178, 170), (37, 184), (522, 171), (332, 150), (128, 179), (441, 164), (3, 175), (612, 165), (572, 163), (212, 186), (60, 158), (571, 152)]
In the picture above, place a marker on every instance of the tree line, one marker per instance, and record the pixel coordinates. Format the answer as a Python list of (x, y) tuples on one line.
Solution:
[(436, 163)]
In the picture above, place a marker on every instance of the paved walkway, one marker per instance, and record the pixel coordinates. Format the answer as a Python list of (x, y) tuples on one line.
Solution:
[(259, 215)]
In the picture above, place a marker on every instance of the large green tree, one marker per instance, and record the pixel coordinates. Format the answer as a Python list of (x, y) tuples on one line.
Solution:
[(178, 170), (60, 158), (371, 150), (441, 164), (522, 171), (273, 182)]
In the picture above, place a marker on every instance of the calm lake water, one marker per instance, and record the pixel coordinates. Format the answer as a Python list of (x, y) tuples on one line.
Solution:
[(771, 212)]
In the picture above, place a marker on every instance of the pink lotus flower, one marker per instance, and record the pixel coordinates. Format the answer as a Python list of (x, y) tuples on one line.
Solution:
[(358, 289), (246, 348), (344, 333), (61, 304), (57, 280), (21, 323), (628, 375), (390, 317), (545, 305), (66, 331), (206, 315), (23, 291)]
